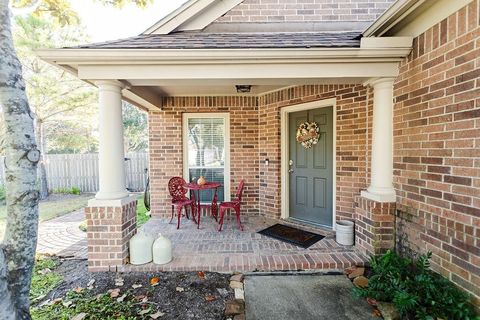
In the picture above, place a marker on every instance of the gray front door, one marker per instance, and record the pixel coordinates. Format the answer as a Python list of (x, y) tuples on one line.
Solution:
[(311, 170)]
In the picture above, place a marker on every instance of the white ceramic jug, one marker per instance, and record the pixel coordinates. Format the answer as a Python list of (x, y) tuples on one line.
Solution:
[(162, 250), (141, 248)]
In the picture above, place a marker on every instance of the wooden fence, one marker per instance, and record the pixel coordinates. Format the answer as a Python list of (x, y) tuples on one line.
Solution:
[(81, 171)]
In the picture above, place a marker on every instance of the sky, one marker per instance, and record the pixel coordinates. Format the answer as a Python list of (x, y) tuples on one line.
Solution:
[(106, 23)]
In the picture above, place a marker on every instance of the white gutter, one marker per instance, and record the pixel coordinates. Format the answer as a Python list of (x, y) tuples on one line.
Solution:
[(375, 49)]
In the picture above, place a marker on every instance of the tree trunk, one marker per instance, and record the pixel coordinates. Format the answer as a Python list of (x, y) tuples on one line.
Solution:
[(17, 253), (41, 171)]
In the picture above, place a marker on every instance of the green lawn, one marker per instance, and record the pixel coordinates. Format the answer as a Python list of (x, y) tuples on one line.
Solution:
[(141, 212), (51, 208), (55, 208)]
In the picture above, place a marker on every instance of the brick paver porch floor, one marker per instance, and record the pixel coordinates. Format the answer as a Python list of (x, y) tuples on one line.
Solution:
[(232, 250)]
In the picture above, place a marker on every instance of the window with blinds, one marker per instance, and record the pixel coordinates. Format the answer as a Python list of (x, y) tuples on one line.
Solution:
[(207, 150)]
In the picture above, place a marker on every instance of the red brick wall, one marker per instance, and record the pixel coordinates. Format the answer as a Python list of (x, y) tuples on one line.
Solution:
[(305, 10), (374, 226), (437, 148), (351, 140), (166, 155), (109, 230)]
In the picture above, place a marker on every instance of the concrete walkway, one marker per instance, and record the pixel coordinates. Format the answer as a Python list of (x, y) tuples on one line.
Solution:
[(61, 236), (303, 297)]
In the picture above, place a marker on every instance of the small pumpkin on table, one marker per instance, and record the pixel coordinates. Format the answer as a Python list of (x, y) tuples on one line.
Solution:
[(201, 181)]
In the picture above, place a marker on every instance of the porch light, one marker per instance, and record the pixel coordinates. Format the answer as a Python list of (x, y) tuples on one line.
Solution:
[(243, 88)]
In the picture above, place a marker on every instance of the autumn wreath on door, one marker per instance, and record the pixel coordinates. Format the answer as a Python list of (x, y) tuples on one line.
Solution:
[(308, 134)]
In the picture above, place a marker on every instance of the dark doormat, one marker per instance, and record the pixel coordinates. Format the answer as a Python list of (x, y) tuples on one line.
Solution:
[(291, 235)]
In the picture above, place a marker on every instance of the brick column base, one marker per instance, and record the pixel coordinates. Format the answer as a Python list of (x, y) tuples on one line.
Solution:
[(110, 225), (374, 225)]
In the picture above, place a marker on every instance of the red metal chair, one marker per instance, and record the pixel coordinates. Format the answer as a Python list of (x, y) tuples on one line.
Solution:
[(235, 205), (179, 200)]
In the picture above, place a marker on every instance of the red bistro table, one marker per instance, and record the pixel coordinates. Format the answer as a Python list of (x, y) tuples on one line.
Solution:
[(193, 186)]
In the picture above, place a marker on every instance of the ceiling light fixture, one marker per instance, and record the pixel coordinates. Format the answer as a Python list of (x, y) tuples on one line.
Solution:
[(243, 88)]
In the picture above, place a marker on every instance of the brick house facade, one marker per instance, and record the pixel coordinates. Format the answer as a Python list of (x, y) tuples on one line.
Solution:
[(436, 139), (304, 52)]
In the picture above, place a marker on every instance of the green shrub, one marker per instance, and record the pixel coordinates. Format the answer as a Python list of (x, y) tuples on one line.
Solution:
[(73, 190), (416, 291)]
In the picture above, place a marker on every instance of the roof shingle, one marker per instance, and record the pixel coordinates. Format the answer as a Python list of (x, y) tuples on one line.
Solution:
[(200, 40)]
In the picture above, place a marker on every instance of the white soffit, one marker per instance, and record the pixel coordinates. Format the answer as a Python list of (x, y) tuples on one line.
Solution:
[(192, 15), (413, 17)]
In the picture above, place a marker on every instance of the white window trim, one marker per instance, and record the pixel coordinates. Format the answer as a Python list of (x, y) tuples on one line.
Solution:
[(226, 118)]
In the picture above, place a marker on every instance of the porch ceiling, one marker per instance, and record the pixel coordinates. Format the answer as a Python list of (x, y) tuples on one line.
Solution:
[(224, 87)]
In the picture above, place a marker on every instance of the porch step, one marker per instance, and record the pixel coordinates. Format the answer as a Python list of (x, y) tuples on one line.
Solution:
[(231, 250), (253, 262)]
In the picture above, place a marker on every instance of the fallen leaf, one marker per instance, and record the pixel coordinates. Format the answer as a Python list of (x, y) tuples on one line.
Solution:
[(376, 313), (119, 282), (145, 299), (223, 292), (44, 303), (179, 289), (154, 281), (144, 312), (44, 271), (90, 284), (201, 274), (136, 286), (79, 316), (40, 297), (210, 298), (57, 301), (120, 299), (67, 304), (157, 315), (114, 293), (78, 289), (372, 301), (140, 297)]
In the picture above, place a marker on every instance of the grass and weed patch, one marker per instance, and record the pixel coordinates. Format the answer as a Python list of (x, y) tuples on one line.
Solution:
[(44, 278)]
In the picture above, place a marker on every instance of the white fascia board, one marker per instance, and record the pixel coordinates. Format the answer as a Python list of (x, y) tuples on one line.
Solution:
[(391, 16), (263, 71), (207, 16), (386, 42), (413, 17), (179, 16), (375, 58)]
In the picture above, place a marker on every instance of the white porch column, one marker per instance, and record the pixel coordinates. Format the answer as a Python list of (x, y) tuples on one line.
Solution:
[(381, 184), (111, 149)]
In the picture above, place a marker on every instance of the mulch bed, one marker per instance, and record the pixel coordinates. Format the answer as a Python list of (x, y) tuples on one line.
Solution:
[(204, 295)]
